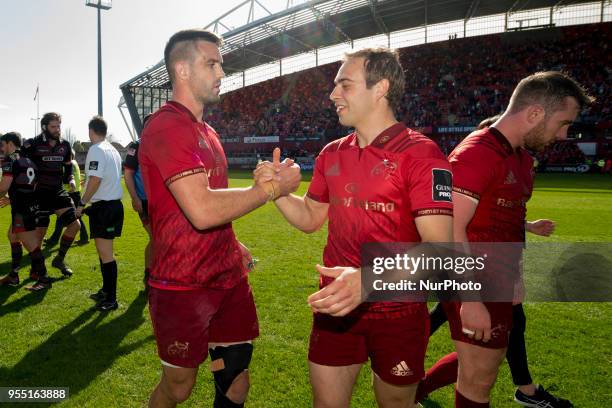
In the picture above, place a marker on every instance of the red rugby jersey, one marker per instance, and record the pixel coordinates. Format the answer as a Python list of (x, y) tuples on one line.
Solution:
[(487, 168), (374, 195), (174, 145)]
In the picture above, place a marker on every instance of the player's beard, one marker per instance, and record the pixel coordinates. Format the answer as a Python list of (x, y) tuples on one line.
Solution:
[(211, 98), (203, 92), (54, 136), (535, 139)]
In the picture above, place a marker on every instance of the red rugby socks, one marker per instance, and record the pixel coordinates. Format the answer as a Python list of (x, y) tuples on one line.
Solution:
[(441, 374)]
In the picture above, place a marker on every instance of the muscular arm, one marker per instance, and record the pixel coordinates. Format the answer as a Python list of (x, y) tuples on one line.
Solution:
[(93, 183), (207, 208), (68, 176), (435, 228), (464, 209), (303, 213), (475, 317), (128, 176)]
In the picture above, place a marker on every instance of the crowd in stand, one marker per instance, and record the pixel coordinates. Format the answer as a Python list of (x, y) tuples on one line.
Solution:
[(562, 153), (452, 83)]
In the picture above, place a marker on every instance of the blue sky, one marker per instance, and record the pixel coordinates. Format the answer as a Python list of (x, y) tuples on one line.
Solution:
[(54, 43)]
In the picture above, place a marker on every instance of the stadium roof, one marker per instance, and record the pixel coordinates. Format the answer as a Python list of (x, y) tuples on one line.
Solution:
[(321, 23)]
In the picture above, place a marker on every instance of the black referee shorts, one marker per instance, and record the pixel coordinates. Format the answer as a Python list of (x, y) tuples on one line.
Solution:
[(106, 219)]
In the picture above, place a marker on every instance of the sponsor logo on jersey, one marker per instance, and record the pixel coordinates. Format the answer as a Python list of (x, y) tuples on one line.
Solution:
[(374, 206), (442, 185), (53, 158), (502, 202), (93, 165)]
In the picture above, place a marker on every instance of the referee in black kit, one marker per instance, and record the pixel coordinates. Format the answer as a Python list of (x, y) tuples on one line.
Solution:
[(104, 191)]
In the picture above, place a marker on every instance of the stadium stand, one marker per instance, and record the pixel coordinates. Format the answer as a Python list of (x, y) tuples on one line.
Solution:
[(451, 86)]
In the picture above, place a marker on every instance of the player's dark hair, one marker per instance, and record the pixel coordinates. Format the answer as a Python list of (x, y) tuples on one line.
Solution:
[(487, 122), (181, 46), (98, 125), (13, 137), (548, 89), (48, 118), (383, 63)]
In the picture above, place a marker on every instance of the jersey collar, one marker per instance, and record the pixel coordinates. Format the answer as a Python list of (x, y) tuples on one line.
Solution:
[(502, 140), (183, 109), (389, 134), (384, 137)]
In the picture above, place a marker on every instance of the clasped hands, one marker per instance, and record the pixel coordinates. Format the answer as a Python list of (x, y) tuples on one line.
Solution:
[(275, 178)]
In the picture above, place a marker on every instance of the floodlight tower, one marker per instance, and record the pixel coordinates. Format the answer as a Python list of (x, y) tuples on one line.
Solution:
[(100, 5)]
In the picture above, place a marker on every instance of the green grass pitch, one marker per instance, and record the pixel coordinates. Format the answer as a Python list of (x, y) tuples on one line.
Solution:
[(56, 339)]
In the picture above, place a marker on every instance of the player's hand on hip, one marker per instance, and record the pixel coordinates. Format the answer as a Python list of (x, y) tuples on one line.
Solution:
[(476, 321), (137, 205), (341, 296)]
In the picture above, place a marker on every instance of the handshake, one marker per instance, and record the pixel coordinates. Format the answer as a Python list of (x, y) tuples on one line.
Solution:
[(275, 178)]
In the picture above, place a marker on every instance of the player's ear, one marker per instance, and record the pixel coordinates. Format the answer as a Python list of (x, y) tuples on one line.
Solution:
[(382, 88), (182, 70), (535, 113)]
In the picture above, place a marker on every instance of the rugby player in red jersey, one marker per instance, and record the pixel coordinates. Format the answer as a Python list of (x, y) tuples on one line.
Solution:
[(444, 372), (382, 183), (492, 182), (200, 299)]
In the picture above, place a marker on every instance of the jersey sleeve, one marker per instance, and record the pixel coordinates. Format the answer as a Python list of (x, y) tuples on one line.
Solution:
[(473, 172), (177, 159), (95, 163), (131, 158), (430, 183), (318, 189), (67, 153), (68, 175)]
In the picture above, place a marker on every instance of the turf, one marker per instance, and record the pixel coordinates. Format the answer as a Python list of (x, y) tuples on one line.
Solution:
[(55, 339)]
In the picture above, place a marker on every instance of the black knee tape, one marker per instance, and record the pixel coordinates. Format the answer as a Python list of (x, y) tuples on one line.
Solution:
[(236, 358), (68, 217), (519, 321)]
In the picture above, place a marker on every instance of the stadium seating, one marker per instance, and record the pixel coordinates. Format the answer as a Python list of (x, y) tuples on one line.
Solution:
[(453, 83)]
